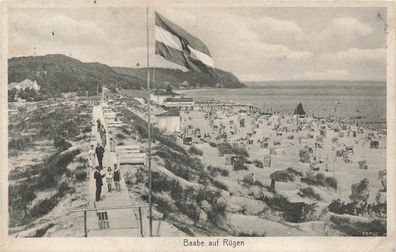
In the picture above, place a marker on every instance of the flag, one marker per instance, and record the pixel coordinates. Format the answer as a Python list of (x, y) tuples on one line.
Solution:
[(180, 47), (333, 148)]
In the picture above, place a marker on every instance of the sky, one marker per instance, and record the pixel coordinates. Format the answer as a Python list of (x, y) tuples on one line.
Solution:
[(256, 44)]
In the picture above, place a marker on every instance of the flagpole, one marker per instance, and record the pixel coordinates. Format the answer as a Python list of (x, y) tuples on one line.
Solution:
[(149, 129), (102, 95)]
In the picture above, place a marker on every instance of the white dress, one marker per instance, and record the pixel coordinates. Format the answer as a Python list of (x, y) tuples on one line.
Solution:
[(91, 158)]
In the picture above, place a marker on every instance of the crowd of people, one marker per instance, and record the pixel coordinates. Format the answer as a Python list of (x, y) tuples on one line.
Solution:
[(112, 174)]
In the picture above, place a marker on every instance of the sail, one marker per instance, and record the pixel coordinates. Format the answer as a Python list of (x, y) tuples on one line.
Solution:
[(299, 110)]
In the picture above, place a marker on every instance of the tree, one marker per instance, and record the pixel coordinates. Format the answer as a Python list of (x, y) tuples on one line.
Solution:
[(12, 94)]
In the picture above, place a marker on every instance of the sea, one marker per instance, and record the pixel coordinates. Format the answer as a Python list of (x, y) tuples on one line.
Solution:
[(365, 103)]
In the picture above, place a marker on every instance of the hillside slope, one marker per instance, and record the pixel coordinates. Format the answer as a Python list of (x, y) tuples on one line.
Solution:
[(175, 77), (59, 73)]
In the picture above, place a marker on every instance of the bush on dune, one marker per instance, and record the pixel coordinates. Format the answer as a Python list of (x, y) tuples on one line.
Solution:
[(225, 148), (241, 151), (309, 192), (80, 173), (282, 176), (214, 145), (214, 171), (292, 211), (239, 165), (319, 179), (194, 150), (358, 228)]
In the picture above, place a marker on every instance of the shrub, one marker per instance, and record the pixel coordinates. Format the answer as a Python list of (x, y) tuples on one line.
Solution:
[(159, 183), (163, 205), (309, 192), (282, 176), (239, 165), (336, 206), (120, 136), (140, 174), (214, 171), (320, 180), (225, 148), (241, 151), (331, 182), (21, 143), (220, 185), (358, 228), (216, 214), (258, 183), (19, 195), (294, 171), (305, 155), (194, 150), (61, 144), (80, 174), (293, 212), (214, 145), (54, 167), (44, 207), (63, 188)]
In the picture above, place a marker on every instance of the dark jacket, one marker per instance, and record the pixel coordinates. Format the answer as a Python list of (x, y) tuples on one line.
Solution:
[(116, 175), (99, 151), (98, 177)]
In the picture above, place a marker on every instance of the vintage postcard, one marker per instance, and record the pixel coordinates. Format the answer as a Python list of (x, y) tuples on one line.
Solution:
[(198, 125)]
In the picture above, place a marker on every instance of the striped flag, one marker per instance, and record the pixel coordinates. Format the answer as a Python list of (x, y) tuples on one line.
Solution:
[(178, 46), (333, 148)]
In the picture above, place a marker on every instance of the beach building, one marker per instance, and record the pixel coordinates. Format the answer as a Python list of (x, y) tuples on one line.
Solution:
[(169, 121), (25, 84), (179, 102), (159, 96)]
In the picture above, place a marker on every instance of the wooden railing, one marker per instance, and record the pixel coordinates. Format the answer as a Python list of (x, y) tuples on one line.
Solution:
[(86, 210)]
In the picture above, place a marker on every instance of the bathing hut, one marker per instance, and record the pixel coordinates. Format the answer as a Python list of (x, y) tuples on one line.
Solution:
[(169, 121)]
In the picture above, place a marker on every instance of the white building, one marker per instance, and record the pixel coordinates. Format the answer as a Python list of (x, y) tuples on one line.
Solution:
[(24, 85), (160, 96), (169, 121), (178, 102)]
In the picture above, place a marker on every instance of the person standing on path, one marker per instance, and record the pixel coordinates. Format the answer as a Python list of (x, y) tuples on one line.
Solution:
[(112, 145), (98, 178), (91, 157), (99, 124), (116, 177), (99, 154), (109, 178), (103, 133)]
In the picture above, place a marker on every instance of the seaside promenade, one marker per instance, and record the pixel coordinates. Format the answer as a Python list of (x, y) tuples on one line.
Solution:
[(121, 221)]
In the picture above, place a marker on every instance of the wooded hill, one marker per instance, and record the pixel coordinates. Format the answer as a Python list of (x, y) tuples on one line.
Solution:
[(177, 78), (57, 73)]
